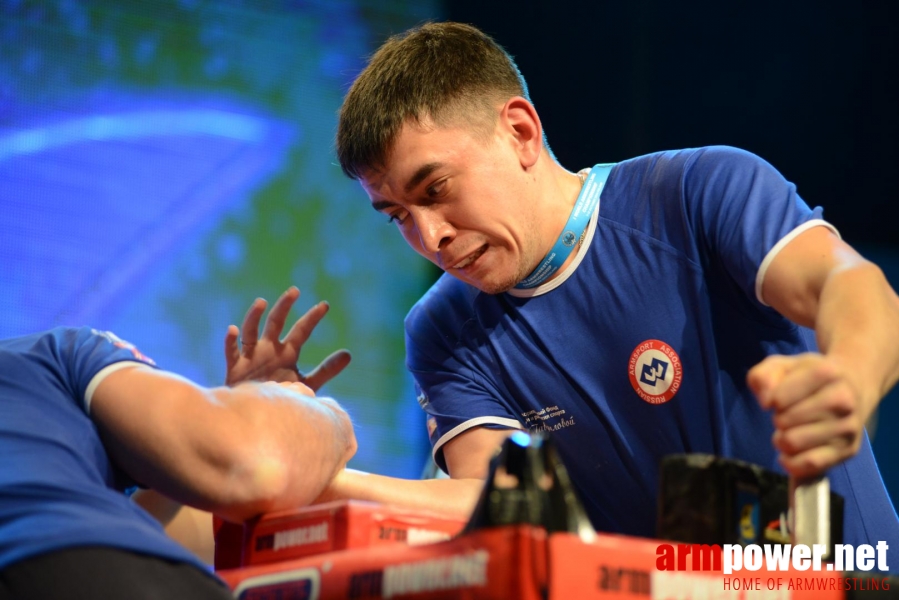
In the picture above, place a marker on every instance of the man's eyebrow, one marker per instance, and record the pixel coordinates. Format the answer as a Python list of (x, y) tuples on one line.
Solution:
[(416, 179), (422, 172), (380, 205)]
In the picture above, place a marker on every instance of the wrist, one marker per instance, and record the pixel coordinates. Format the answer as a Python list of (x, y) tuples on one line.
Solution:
[(863, 379)]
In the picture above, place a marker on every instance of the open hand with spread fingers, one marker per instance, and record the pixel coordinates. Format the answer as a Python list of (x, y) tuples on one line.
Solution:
[(267, 357)]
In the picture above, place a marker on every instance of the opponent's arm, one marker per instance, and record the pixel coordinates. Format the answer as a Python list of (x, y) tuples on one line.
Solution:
[(454, 497), (468, 458), (236, 452), (822, 401)]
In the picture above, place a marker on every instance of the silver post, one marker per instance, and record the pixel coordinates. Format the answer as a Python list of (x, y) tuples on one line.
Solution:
[(810, 511)]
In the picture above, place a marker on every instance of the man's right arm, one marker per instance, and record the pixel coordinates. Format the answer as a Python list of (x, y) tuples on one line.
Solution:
[(468, 458), (237, 452), (468, 454)]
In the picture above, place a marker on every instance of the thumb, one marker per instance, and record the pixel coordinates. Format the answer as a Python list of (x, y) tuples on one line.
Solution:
[(767, 375)]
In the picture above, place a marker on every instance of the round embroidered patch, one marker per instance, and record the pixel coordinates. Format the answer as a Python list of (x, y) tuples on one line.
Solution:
[(655, 371)]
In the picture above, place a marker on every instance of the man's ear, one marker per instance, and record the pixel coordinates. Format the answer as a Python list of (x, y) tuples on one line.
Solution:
[(519, 118)]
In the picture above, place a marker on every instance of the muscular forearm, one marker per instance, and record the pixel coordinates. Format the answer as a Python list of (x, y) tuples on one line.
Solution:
[(821, 400), (857, 323), (294, 447), (233, 451), (454, 497)]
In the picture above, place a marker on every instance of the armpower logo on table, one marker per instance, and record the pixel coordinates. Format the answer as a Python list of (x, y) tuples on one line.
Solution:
[(300, 536), (328, 527), (617, 579), (453, 572), (494, 563), (440, 574)]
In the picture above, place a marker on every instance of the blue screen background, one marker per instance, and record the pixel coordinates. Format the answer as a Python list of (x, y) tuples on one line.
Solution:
[(163, 163)]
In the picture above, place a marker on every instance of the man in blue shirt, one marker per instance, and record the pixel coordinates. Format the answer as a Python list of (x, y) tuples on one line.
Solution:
[(685, 301)]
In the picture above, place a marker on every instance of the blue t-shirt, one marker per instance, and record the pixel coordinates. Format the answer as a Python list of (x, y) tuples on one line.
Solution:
[(58, 486), (640, 349)]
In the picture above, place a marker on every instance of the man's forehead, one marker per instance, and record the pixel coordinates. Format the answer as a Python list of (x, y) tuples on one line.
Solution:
[(372, 179), (405, 178), (418, 149), (378, 186), (402, 169)]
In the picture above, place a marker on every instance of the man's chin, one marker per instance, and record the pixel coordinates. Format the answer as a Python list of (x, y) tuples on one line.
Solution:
[(491, 287)]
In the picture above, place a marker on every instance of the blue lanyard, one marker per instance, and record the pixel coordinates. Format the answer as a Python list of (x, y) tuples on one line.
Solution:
[(577, 222)]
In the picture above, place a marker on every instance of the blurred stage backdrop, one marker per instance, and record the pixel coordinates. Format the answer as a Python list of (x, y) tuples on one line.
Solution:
[(162, 163)]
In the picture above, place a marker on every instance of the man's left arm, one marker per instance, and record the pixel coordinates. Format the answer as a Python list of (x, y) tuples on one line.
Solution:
[(821, 401)]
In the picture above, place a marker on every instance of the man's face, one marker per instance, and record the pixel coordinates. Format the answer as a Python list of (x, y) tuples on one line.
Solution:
[(462, 201)]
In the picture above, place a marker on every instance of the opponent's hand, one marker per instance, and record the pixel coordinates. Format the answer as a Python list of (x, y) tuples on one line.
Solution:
[(269, 358), (820, 410)]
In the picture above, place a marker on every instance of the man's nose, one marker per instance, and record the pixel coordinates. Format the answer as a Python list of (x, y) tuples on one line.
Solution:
[(434, 232)]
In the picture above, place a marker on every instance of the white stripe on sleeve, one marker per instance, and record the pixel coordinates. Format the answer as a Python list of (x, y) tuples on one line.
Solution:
[(769, 258), (103, 374)]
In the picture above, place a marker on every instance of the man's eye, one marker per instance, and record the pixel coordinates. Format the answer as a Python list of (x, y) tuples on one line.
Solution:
[(397, 218), (436, 189)]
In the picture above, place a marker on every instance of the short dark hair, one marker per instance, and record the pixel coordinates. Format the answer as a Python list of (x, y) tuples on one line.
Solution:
[(441, 71)]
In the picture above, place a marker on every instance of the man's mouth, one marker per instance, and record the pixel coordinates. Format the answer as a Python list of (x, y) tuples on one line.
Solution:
[(470, 258)]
